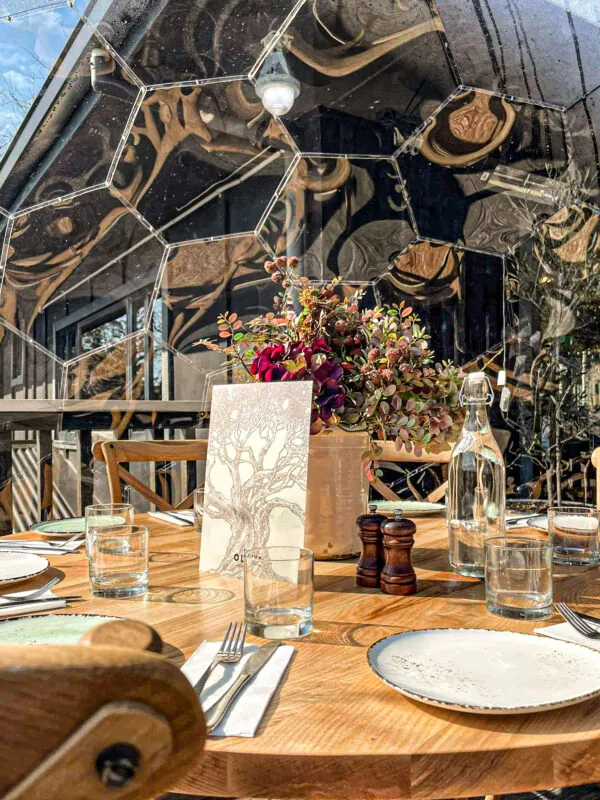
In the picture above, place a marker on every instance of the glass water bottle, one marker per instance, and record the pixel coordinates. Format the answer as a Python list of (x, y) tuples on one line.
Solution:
[(476, 481)]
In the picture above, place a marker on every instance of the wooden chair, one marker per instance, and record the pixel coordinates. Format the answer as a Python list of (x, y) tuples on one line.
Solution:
[(116, 453), (391, 454), (596, 463), (94, 722)]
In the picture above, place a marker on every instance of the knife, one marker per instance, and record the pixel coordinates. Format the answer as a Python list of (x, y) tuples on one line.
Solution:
[(22, 601), (253, 665)]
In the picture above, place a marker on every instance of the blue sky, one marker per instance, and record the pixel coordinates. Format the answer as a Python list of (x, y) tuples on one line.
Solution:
[(29, 46)]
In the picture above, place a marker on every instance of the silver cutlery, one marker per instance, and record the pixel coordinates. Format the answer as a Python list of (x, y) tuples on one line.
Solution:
[(230, 651), (18, 601), (576, 622), (178, 517), (18, 543), (32, 595), (255, 663)]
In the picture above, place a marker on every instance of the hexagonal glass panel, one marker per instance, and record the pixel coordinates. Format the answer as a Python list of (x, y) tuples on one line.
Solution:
[(204, 279), (583, 120), (139, 367), (457, 293), (544, 50), (75, 267), (203, 161), (552, 335), (181, 40), (484, 170), (341, 216), (370, 74), (26, 370), (70, 137)]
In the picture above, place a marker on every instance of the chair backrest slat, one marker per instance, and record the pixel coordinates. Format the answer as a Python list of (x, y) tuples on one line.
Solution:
[(115, 453)]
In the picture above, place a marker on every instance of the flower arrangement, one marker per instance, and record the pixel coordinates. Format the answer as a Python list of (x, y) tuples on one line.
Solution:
[(373, 370)]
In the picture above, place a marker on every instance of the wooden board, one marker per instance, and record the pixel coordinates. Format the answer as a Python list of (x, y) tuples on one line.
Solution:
[(333, 729)]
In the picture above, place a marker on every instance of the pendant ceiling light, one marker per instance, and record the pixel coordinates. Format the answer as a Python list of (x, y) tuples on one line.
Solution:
[(276, 86)]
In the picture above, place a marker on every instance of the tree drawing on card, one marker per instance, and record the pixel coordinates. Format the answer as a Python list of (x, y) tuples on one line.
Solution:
[(256, 469)]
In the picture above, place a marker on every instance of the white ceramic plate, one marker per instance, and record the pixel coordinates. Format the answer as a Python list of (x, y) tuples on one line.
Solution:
[(540, 522), (412, 508), (61, 528), (17, 567), (487, 672)]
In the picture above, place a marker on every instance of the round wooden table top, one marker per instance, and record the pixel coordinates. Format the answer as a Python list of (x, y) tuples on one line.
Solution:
[(333, 729)]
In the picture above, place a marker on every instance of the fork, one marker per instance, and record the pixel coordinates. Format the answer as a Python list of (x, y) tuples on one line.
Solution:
[(580, 625), (230, 651), (30, 596), (54, 545)]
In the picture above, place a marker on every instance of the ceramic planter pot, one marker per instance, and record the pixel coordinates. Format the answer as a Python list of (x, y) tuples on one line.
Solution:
[(337, 493)]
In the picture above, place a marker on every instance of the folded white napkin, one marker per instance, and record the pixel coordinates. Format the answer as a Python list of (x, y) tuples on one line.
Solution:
[(41, 548), (245, 713), (47, 602), (187, 515), (566, 632)]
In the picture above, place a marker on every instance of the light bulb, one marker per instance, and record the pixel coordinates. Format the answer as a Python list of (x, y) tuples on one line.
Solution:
[(278, 97), (276, 86)]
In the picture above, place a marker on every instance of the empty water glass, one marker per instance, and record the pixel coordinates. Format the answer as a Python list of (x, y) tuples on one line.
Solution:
[(574, 532), (118, 560), (278, 591), (198, 508), (518, 577), (104, 514)]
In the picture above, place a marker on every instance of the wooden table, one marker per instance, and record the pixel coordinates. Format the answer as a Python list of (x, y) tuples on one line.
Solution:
[(333, 730)]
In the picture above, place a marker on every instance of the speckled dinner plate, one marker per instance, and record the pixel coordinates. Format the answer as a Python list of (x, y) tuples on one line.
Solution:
[(63, 528), (486, 672), (18, 567), (49, 629)]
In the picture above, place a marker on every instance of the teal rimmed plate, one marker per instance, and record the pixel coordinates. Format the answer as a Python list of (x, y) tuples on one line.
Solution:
[(49, 629), (64, 528)]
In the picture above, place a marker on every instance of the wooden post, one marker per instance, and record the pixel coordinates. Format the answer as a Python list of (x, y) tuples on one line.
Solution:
[(44, 474), (6, 512), (85, 490)]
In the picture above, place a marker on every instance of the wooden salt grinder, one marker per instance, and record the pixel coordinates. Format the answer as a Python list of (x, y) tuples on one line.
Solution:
[(370, 563), (398, 575)]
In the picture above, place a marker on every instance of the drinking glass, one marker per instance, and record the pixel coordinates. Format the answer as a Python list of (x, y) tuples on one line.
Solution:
[(574, 533), (518, 577), (108, 514), (198, 508), (278, 591), (118, 560)]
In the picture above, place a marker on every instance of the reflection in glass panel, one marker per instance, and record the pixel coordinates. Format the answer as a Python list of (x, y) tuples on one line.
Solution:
[(70, 261), (205, 279), (203, 161), (26, 371), (140, 367), (457, 293), (584, 124), (484, 170), (545, 50), (181, 40), (76, 130), (552, 345), (371, 73), (345, 217)]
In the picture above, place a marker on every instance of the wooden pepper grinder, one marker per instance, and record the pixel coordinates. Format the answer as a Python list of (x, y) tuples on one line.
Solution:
[(371, 561), (398, 575)]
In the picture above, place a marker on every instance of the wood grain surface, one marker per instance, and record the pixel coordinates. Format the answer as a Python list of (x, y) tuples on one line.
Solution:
[(333, 730)]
